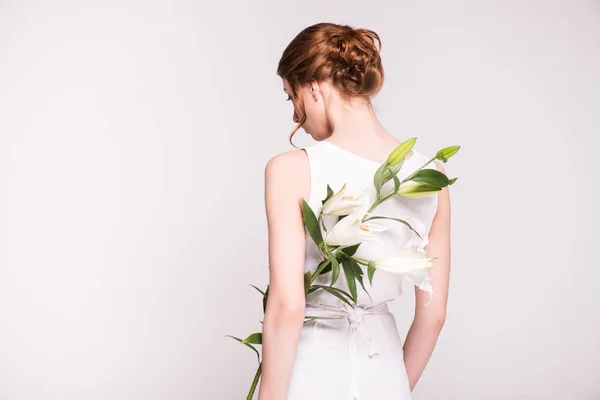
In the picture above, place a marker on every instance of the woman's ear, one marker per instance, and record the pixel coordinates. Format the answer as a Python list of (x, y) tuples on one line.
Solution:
[(314, 90)]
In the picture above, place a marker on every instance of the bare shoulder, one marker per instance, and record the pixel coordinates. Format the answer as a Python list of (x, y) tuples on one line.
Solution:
[(289, 172), (289, 162)]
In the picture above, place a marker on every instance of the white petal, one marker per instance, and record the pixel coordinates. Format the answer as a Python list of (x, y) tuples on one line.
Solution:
[(334, 200), (373, 227), (343, 240), (404, 267), (422, 280), (345, 232), (348, 222), (343, 209)]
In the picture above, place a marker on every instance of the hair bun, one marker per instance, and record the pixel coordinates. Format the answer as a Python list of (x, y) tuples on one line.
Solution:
[(355, 61)]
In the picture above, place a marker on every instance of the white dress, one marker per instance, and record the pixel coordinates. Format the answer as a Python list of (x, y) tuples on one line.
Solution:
[(359, 355)]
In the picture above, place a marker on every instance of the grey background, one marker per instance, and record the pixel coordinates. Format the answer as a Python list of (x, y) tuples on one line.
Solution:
[(133, 140)]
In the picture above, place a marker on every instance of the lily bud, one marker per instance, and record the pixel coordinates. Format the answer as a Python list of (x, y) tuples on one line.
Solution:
[(414, 189), (445, 153), (401, 151)]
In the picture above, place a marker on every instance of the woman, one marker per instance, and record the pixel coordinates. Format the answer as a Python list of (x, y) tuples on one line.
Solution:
[(329, 72)]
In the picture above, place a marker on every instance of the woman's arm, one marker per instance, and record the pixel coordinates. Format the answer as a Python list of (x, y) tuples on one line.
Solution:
[(425, 329), (287, 180)]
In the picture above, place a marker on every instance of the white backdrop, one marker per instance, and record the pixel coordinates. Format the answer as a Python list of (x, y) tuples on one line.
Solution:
[(133, 140)]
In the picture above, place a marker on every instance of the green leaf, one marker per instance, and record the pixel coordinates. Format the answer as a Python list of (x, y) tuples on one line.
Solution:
[(264, 296), (311, 223), (255, 338), (447, 152), (261, 292), (247, 344), (370, 272), (329, 194), (417, 190), (451, 181), (398, 220), (333, 289), (349, 272), (378, 179), (384, 173), (350, 250), (431, 177), (307, 281), (335, 269), (396, 182), (391, 171), (310, 319), (265, 299), (340, 294), (348, 295), (322, 267), (401, 151), (358, 272)]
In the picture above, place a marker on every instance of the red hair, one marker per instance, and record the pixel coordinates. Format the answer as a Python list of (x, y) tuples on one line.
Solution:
[(350, 57)]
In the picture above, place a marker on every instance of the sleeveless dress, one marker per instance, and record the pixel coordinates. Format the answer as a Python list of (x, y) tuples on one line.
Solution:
[(357, 355)]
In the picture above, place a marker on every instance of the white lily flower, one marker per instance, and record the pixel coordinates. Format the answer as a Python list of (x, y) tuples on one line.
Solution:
[(343, 202), (412, 262), (408, 260), (350, 230)]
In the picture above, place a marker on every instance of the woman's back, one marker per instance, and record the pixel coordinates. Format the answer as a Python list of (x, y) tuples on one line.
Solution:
[(331, 165), (356, 353)]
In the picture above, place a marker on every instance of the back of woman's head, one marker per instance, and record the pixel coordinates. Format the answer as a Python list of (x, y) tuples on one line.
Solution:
[(349, 57)]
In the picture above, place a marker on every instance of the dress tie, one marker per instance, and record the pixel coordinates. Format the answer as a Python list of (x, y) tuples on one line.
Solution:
[(357, 327)]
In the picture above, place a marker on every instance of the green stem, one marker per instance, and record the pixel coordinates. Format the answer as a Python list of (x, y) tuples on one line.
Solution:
[(379, 201), (338, 249), (254, 382), (391, 193), (318, 271), (408, 178)]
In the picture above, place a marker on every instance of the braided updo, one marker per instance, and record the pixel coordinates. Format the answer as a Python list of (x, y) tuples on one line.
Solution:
[(350, 57)]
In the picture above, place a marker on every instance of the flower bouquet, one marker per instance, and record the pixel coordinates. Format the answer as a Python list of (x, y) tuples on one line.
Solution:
[(356, 224)]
